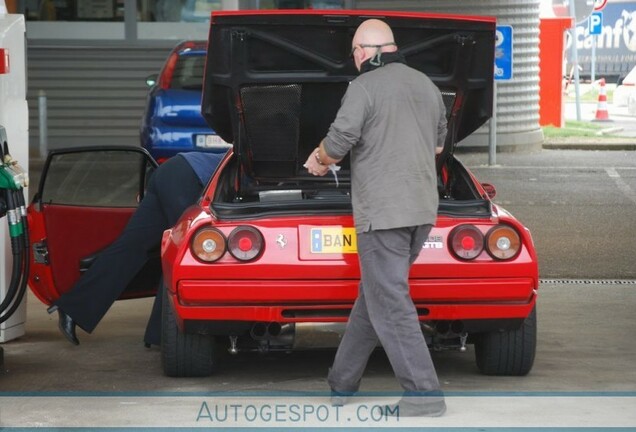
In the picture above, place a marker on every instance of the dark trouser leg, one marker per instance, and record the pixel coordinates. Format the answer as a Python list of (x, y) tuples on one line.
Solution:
[(103, 283), (385, 259), (177, 188), (152, 336), (354, 350)]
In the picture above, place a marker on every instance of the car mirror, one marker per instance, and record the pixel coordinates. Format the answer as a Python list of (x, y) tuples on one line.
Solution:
[(490, 190), (151, 80)]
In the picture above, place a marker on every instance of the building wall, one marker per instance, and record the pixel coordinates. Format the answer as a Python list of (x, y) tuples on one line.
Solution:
[(95, 95), (96, 90)]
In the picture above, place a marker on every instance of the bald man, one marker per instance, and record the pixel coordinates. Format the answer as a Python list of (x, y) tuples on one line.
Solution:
[(391, 120)]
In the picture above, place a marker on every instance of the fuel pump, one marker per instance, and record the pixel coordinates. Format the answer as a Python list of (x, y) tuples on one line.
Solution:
[(13, 180), (14, 116)]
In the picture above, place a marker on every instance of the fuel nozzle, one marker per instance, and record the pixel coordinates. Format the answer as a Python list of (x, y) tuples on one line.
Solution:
[(12, 181), (12, 175)]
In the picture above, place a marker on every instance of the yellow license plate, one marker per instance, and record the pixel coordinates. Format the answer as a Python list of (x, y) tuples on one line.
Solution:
[(329, 240)]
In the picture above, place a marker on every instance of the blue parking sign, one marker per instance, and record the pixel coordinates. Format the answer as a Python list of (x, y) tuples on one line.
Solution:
[(596, 23), (503, 53)]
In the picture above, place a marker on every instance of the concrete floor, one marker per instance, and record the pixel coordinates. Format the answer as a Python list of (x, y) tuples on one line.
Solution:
[(585, 359), (581, 347)]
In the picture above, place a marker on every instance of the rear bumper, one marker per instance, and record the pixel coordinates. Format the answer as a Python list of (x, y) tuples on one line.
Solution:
[(331, 301)]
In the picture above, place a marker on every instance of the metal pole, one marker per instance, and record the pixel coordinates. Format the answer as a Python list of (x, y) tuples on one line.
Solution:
[(43, 123), (492, 129), (593, 65), (230, 4), (575, 62), (130, 20)]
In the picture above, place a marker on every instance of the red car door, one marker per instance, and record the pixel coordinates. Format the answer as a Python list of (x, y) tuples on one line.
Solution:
[(84, 200)]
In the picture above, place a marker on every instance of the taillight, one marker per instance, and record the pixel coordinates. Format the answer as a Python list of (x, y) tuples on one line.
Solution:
[(503, 242), (166, 74), (245, 243), (208, 244), (466, 242)]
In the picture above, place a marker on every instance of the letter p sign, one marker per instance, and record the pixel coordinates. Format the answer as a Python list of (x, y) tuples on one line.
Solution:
[(596, 23)]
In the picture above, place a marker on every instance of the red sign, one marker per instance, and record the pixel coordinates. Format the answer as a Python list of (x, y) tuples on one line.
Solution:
[(4, 61), (599, 4)]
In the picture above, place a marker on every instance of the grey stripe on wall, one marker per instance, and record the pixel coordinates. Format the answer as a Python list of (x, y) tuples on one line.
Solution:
[(95, 95)]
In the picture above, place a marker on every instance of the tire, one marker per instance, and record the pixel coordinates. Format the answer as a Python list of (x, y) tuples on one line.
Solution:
[(183, 354), (508, 352)]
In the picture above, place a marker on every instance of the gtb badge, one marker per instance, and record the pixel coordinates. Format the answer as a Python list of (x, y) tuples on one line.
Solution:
[(434, 242), (281, 240)]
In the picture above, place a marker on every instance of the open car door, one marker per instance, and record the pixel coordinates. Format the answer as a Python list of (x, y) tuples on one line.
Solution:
[(84, 200)]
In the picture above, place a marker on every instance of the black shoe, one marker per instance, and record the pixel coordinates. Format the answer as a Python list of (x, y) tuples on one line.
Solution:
[(65, 324)]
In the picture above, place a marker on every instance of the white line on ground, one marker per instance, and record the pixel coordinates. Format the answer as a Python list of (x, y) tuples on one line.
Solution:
[(622, 186)]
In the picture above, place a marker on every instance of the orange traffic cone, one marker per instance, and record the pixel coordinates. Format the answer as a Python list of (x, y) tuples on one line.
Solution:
[(601, 108)]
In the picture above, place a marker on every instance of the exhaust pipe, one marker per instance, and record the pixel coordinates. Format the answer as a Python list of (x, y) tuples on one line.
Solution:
[(442, 327), (318, 335), (298, 336), (449, 328), (261, 330), (273, 329), (258, 331)]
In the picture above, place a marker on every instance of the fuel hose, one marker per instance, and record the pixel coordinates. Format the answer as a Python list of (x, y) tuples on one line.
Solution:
[(18, 229)]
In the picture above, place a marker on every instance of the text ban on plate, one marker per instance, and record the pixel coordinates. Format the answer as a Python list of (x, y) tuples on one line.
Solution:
[(328, 240)]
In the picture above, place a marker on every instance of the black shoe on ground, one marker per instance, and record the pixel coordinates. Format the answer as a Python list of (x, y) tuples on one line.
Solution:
[(65, 324)]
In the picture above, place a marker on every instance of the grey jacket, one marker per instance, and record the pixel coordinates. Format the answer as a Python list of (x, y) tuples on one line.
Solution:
[(391, 120)]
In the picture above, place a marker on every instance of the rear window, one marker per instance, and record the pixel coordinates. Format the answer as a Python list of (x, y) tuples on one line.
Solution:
[(188, 73)]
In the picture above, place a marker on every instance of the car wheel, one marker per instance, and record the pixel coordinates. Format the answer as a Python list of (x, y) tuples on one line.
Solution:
[(183, 354), (508, 352)]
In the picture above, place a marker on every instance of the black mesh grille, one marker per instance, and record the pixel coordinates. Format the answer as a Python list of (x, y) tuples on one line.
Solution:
[(271, 115), (449, 99)]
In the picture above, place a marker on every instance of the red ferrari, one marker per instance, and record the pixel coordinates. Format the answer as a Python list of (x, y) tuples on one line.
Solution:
[(267, 259)]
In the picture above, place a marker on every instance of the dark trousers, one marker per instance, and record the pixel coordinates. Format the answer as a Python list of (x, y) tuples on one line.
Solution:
[(384, 312), (173, 188)]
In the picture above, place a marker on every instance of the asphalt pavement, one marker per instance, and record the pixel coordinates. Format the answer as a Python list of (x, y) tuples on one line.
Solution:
[(583, 376), (579, 206), (577, 196)]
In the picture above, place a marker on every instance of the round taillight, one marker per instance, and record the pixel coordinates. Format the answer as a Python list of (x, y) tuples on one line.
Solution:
[(466, 242), (503, 242), (208, 244), (245, 243)]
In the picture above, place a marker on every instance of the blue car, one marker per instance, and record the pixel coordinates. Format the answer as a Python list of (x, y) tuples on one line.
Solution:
[(172, 121)]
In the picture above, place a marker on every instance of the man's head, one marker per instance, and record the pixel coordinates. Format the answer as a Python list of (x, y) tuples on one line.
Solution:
[(371, 38)]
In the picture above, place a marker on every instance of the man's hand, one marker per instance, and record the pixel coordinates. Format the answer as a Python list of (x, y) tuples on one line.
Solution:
[(313, 165)]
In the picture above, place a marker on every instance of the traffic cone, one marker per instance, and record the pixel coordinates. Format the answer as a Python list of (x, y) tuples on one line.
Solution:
[(602, 114)]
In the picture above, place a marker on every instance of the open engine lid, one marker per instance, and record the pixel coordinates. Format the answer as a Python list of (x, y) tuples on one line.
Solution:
[(274, 79)]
